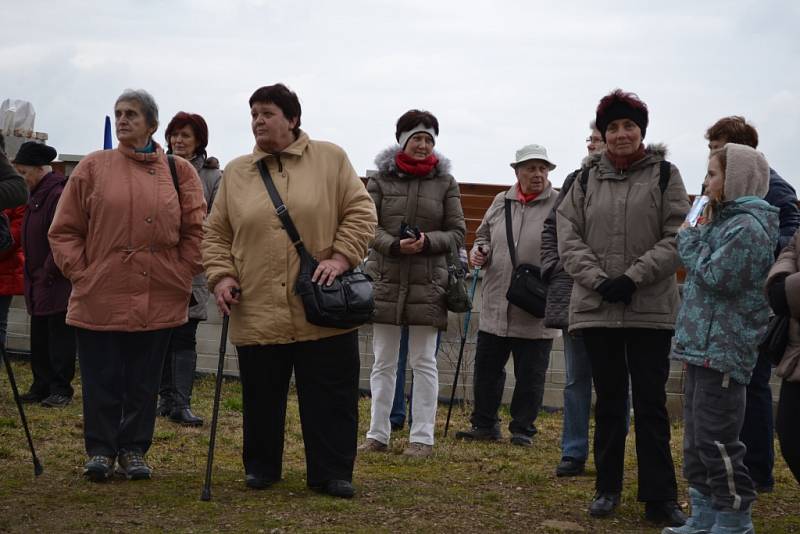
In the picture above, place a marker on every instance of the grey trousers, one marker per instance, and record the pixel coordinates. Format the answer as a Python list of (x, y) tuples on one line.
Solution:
[(713, 456)]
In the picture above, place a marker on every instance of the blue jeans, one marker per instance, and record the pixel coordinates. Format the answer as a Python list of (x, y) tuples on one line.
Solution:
[(577, 399)]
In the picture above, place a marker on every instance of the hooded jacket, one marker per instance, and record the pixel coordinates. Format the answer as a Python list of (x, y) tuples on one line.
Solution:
[(623, 224), (46, 289), (13, 191), (245, 240), (724, 312), (129, 246), (411, 289), (498, 315)]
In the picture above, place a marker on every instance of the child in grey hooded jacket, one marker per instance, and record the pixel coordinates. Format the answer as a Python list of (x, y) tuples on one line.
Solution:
[(723, 316)]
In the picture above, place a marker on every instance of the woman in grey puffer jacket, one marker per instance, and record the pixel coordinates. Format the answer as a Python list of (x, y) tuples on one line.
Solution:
[(187, 137), (420, 221)]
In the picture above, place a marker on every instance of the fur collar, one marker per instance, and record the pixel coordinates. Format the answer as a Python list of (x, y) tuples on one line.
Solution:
[(386, 164)]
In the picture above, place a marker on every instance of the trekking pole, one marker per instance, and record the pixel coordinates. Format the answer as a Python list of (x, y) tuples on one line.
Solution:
[(223, 345), (37, 467), (461, 349)]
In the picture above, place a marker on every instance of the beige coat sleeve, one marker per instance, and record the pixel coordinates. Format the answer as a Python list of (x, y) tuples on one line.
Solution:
[(483, 234), (67, 234), (357, 216), (580, 261), (662, 260), (218, 239)]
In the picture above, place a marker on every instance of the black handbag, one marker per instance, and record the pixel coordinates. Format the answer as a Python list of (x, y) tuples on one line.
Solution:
[(527, 290), (347, 302), (775, 340), (457, 296)]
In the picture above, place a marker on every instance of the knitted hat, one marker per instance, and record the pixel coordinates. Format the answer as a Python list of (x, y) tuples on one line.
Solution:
[(621, 105), (35, 154)]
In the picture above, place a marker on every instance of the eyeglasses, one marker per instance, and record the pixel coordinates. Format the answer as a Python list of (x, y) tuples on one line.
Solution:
[(595, 140)]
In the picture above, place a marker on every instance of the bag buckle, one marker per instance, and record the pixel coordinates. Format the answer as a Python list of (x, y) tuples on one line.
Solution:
[(280, 210)]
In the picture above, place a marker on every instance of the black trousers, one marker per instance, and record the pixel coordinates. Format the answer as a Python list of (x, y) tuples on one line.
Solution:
[(120, 372), (642, 354), (52, 355), (326, 376), (531, 358), (788, 427), (758, 432)]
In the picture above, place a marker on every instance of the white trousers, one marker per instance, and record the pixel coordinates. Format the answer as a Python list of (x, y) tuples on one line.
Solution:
[(425, 392)]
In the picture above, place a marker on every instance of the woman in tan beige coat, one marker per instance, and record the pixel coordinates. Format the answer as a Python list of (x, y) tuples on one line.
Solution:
[(505, 328), (128, 239), (616, 237), (246, 247)]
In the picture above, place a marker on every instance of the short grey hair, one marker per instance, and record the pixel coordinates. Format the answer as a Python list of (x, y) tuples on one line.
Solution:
[(145, 100)]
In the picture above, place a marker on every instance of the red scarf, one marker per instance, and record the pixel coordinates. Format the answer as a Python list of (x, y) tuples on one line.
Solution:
[(417, 167), (522, 197), (623, 163)]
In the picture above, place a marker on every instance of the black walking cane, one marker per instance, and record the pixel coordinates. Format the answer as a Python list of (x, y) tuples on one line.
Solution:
[(223, 343), (461, 350), (37, 467)]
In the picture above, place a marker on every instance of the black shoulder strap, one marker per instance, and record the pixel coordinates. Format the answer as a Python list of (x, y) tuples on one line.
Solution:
[(280, 208), (666, 174), (174, 172), (510, 235), (663, 181), (584, 179)]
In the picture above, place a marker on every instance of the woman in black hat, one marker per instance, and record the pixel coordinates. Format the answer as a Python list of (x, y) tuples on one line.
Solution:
[(46, 289), (616, 232)]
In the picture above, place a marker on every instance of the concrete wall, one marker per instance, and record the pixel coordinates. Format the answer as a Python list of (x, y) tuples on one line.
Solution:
[(208, 342)]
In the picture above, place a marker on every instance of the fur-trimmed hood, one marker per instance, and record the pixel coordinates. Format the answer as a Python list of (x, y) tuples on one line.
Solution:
[(385, 161)]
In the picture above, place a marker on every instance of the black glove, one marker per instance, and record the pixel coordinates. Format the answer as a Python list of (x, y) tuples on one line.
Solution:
[(776, 292), (620, 289)]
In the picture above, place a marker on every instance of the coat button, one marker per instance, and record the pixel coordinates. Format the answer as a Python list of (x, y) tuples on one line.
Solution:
[(148, 219), (152, 171), (144, 273)]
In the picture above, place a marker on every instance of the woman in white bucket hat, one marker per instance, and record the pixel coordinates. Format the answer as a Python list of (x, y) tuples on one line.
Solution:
[(504, 328)]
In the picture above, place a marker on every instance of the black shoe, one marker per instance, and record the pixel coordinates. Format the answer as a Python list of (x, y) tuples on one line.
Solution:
[(522, 440), (665, 513), (132, 466), (258, 482), (185, 417), (569, 467), (32, 397), (480, 434), (56, 400), (164, 407), (336, 488), (603, 504), (99, 468)]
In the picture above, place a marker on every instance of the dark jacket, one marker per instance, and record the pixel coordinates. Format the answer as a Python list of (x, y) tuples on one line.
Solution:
[(13, 191), (12, 260), (410, 289), (783, 196), (46, 289), (559, 282)]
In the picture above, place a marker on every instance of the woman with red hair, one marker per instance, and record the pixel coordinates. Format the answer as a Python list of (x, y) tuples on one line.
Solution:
[(616, 230), (187, 137)]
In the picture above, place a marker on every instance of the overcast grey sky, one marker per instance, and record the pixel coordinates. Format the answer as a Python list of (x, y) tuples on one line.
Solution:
[(497, 75)]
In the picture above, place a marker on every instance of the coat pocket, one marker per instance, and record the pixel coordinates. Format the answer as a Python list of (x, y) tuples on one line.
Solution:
[(584, 299), (661, 297)]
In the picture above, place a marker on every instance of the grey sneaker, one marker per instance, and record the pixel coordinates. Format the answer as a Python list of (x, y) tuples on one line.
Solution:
[(418, 450), (56, 400), (98, 468), (522, 440), (372, 445), (479, 434), (132, 466)]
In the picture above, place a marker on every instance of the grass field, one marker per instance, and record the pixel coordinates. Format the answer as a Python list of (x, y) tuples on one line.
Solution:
[(464, 487)]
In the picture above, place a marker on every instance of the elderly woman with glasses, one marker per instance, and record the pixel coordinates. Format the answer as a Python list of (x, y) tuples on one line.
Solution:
[(127, 234)]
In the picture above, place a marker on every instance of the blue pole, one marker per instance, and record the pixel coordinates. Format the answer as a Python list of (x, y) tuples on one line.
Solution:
[(107, 143), (467, 317)]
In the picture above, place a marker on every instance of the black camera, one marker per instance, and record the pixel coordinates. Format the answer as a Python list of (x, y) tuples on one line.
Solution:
[(408, 231)]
